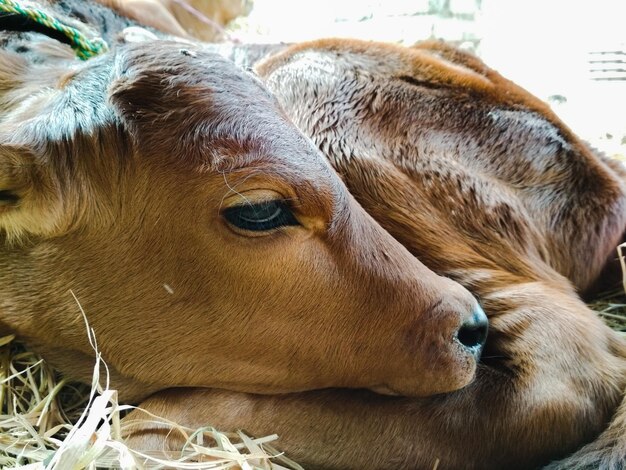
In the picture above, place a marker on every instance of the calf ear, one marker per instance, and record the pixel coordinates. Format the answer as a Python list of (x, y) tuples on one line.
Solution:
[(156, 92), (30, 202)]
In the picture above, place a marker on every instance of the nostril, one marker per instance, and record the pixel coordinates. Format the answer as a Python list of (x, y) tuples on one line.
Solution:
[(473, 333), (471, 336)]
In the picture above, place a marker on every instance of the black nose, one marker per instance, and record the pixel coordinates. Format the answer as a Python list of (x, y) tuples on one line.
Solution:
[(473, 332)]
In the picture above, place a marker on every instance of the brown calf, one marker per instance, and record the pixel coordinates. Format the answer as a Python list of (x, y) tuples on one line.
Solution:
[(552, 374), (209, 243), (481, 182)]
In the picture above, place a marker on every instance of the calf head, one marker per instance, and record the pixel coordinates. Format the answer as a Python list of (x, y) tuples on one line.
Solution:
[(206, 239), (490, 165)]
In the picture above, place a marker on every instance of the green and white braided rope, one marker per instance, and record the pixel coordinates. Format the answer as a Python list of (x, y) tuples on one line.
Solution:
[(85, 48)]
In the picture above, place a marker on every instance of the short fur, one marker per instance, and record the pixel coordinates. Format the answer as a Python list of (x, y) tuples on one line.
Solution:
[(467, 171), (118, 170), (483, 183)]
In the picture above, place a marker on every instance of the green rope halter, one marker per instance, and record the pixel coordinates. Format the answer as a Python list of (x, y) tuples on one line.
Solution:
[(84, 47)]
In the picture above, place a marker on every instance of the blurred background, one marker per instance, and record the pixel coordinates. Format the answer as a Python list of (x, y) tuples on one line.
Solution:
[(571, 54)]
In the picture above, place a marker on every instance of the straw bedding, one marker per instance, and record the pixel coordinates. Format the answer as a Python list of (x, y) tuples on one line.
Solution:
[(48, 422)]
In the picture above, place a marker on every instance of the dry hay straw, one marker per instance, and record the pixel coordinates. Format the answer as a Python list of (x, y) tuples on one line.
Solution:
[(612, 305), (49, 423)]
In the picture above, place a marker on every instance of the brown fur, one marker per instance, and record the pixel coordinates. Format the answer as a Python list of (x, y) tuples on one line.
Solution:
[(447, 120), (471, 174), (484, 184), (121, 172)]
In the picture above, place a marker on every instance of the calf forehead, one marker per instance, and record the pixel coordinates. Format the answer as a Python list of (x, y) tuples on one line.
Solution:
[(401, 117), (205, 108)]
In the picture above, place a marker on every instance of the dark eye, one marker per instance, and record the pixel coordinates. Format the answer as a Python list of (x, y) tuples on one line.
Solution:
[(259, 217)]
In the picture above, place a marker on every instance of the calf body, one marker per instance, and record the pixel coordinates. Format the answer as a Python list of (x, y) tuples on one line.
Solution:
[(484, 184)]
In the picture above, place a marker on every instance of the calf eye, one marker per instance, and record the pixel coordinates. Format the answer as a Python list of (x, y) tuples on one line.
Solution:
[(259, 217)]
